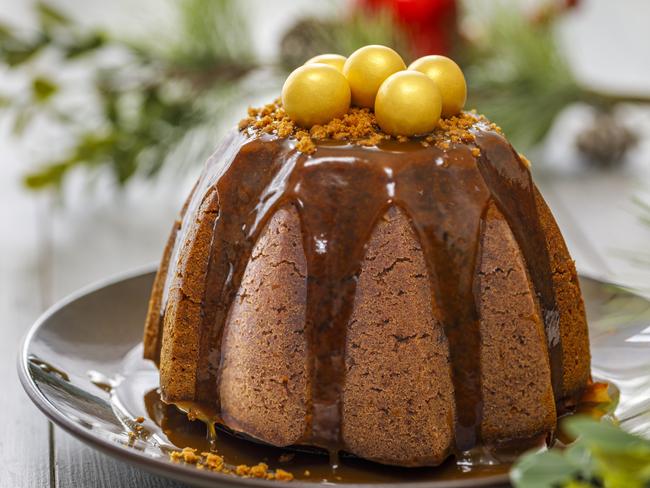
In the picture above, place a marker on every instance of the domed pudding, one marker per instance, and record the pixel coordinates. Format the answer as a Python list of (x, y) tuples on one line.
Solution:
[(389, 284), (402, 299)]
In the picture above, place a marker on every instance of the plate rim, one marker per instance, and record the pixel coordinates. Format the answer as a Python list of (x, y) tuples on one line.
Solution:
[(181, 472)]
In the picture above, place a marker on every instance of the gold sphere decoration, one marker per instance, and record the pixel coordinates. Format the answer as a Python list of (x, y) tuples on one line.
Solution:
[(315, 94), (449, 78), (367, 68), (335, 60), (408, 103)]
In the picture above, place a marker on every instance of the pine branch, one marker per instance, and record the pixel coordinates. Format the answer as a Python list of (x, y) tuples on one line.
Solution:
[(518, 76), (164, 89), (312, 36)]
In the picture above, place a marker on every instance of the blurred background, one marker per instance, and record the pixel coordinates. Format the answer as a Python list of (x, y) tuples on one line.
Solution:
[(108, 110)]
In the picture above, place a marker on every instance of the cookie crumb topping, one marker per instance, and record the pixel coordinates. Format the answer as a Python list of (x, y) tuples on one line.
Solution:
[(359, 126)]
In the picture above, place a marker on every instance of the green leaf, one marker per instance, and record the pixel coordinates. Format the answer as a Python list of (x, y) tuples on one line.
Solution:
[(603, 455), (92, 148), (50, 175), (49, 16), (518, 76), (5, 32), (16, 52), (89, 44), (577, 484), (542, 470), (43, 89), (605, 437), (149, 103), (578, 455)]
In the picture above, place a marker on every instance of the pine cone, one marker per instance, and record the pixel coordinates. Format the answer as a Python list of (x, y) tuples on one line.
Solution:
[(606, 141)]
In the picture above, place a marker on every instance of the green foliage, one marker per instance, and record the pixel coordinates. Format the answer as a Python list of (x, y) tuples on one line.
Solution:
[(543, 470), (311, 36), (211, 31), (50, 18), (169, 89), (166, 89), (359, 30), (147, 104), (43, 89), (602, 456), (518, 77)]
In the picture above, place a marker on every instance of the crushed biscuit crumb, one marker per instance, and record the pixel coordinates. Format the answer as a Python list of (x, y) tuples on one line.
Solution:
[(360, 127), (259, 470), (242, 470), (187, 455), (282, 475), (215, 462)]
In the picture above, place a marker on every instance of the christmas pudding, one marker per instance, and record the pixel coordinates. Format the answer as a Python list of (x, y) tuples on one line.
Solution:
[(364, 267)]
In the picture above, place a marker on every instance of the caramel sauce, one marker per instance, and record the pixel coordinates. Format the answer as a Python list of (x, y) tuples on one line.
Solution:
[(304, 463), (340, 192), (310, 464)]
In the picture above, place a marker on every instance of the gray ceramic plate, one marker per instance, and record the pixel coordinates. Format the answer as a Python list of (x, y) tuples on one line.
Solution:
[(92, 339)]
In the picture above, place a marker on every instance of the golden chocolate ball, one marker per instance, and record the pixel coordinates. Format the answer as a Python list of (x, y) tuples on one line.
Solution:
[(449, 78), (335, 60), (315, 94), (408, 103), (367, 68)]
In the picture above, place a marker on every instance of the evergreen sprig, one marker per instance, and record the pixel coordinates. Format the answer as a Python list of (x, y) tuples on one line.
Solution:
[(603, 456), (146, 104), (518, 77), (170, 89), (312, 36), (166, 90)]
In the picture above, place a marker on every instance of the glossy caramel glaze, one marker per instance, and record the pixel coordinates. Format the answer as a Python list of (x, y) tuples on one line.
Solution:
[(341, 192), (310, 464)]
